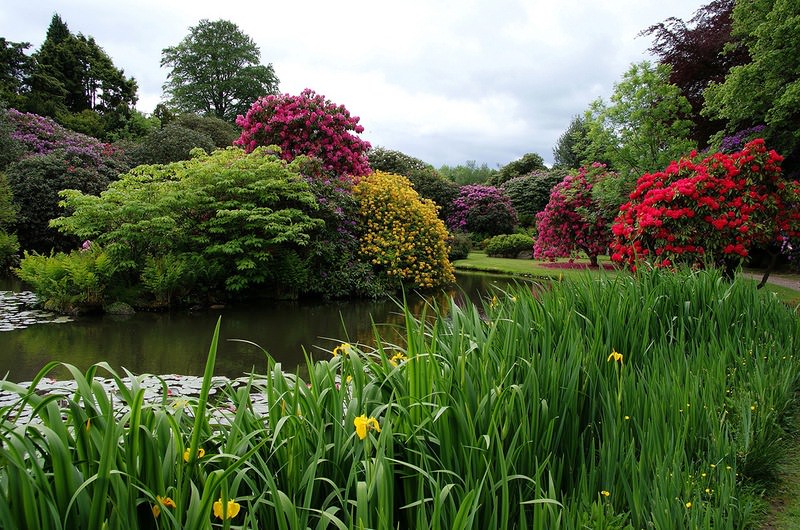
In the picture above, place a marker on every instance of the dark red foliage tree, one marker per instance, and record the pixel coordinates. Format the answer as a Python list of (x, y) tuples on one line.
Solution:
[(695, 52)]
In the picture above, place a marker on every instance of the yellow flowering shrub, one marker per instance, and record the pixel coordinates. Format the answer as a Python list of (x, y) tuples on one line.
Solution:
[(401, 234)]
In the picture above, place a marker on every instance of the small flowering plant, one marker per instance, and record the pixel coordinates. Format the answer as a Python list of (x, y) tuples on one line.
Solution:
[(308, 124), (708, 211)]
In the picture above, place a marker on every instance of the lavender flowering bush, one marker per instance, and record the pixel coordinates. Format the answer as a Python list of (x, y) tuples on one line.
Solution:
[(480, 209), (52, 159), (737, 140)]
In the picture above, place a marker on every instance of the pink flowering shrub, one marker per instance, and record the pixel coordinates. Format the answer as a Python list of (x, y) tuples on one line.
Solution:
[(310, 125), (481, 209), (709, 211), (574, 220)]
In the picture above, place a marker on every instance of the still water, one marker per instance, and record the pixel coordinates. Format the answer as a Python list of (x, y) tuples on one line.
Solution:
[(177, 342)]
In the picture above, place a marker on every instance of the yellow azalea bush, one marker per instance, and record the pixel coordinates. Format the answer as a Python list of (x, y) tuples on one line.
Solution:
[(401, 234)]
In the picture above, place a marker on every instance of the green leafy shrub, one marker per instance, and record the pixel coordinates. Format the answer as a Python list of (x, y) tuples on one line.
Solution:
[(208, 227), (459, 244), (221, 132), (401, 234), (170, 144), (35, 182), (509, 245), (530, 193), (9, 245)]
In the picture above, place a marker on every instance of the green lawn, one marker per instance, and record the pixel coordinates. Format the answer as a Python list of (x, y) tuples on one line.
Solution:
[(479, 261)]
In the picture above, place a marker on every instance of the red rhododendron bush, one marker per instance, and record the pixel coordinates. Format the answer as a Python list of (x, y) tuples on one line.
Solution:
[(708, 212), (310, 125)]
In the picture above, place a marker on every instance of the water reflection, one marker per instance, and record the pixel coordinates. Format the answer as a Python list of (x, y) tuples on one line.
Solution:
[(177, 342)]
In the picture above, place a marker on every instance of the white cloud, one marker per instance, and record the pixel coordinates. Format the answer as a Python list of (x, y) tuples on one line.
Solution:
[(443, 80)]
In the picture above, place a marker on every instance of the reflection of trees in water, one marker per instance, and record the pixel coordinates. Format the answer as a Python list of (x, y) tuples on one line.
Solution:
[(165, 343)]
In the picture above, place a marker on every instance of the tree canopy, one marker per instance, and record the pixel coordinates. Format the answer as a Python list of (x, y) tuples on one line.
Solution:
[(216, 71), (767, 89), (644, 126), (695, 53), (73, 73)]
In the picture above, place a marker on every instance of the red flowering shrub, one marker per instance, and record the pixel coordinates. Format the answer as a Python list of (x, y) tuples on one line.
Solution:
[(307, 124), (709, 212), (574, 219)]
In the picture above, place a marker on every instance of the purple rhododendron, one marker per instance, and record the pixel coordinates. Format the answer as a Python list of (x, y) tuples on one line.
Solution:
[(482, 209)]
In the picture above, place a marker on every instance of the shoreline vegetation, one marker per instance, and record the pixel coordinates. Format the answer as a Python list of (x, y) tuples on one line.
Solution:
[(663, 400)]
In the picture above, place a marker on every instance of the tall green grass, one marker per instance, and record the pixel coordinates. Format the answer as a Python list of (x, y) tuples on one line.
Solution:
[(514, 414)]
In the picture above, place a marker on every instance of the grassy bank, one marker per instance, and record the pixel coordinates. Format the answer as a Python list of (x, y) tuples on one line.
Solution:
[(601, 402)]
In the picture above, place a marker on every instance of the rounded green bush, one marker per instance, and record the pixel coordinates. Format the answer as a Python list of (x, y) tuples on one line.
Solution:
[(508, 245)]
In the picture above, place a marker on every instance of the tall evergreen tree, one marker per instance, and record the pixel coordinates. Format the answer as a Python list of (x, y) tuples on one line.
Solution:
[(72, 73)]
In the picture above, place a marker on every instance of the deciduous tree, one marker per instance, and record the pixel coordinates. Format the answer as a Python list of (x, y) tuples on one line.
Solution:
[(695, 53), (216, 70), (767, 89), (645, 124)]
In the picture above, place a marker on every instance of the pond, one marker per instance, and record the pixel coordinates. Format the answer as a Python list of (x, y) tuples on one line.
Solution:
[(177, 342)]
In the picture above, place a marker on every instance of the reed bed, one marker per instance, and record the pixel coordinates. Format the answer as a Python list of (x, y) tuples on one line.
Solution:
[(655, 401)]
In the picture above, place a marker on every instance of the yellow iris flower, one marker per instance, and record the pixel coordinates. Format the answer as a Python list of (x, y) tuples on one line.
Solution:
[(397, 358), (162, 501), (363, 425), (200, 454), (342, 348), (616, 356), (231, 511)]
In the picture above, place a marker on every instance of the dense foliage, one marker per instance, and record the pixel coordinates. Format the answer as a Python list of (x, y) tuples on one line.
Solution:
[(482, 209), (530, 193), (468, 173), (308, 124), (697, 56), (216, 71), (644, 126), (221, 132), (575, 219), (527, 163), (508, 245), (765, 90), (53, 159), (570, 145), (212, 226), (9, 245), (425, 179), (713, 210), (170, 144), (336, 268), (655, 401), (401, 233)]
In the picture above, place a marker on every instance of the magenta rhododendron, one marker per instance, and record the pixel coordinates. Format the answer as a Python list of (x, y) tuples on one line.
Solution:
[(573, 220), (708, 211), (310, 125)]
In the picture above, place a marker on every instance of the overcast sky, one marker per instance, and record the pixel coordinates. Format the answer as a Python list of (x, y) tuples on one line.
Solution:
[(445, 81)]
